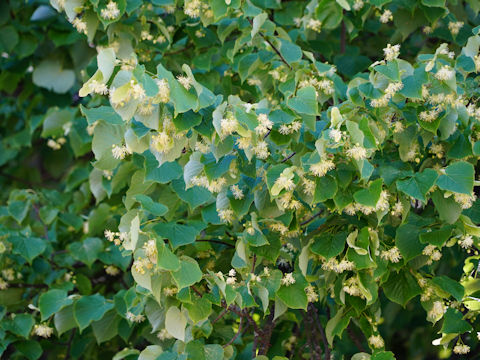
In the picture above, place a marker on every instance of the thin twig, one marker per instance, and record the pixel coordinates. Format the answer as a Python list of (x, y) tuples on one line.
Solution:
[(217, 242), (268, 133), (67, 355), (255, 342), (289, 157), (355, 339), (14, 178), (196, 291), (22, 285), (324, 339), (177, 51), (254, 262), (266, 333), (273, 46), (240, 313), (343, 38), (39, 218), (222, 314), (322, 332), (311, 218), (236, 335)]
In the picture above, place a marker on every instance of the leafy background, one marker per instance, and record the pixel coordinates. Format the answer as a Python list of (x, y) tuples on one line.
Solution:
[(63, 188)]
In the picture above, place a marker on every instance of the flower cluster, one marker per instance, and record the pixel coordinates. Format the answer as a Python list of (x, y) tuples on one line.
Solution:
[(111, 11), (116, 237)]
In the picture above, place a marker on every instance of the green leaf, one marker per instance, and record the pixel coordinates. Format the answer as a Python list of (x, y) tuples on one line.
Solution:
[(329, 245), (151, 352), (344, 4), (90, 308), (412, 85), (458, 177), (105, 113), (28, 248), (50, 75), (447, 208), (163, 174), (199, 310), (337, 324), (407, 241), (194, 196), (434, 3), (326, 188), (382, 355), (149, 205), (370, 196), (401, 287), (52, 301), (436, 237), (105, 136), (20, 325), (305, 102), (86, 251), (390, 70), (213, 352), (30, 348), (258, 21), (291, 52), (418, 185), (107, 327), (453, 323), (166, 260), (451, 286), (18, 209), (273, 174), (64, 320), (182, 99), (247, 65), (294, 295), (188, 274), (177, 234), (126, 352), (9, 38), (175, 323), (215, 169)]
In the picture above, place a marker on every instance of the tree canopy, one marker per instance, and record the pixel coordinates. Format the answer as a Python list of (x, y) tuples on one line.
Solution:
[(239, 179)]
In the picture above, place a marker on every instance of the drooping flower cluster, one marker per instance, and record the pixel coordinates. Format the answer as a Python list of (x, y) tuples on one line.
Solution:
[(288, 279), (120, 152), (393, 255), (42, 330), (391, 52), (111, 11), (116, 237)]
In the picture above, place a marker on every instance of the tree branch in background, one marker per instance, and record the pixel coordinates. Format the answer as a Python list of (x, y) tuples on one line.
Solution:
[(237, 334), (273, 46)]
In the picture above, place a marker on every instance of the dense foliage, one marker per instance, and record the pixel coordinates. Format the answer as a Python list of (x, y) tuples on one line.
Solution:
[(239, 179)]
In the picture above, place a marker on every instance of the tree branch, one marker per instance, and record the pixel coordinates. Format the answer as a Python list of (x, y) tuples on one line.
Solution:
[(69, 345), (217, 242), (273, 46), (311, 218), (236, 335), (196, 291), (355, 339), (288, 157), (14, 178), (343, 38), (23, 285), (322, 332), (222, 314), (266, 334)]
